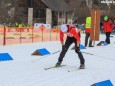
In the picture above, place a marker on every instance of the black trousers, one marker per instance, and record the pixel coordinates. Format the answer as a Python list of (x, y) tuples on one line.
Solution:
[(68, 42), (87, 36), (107, 37)]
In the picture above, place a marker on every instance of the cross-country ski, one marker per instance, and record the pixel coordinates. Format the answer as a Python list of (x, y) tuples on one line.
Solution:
[(54, 67)]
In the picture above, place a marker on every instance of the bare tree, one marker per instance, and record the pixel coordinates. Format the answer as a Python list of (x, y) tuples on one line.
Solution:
[(7, 8), (20, 14), (12, 11)]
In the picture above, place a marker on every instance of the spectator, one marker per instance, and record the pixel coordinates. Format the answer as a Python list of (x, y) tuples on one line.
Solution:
[(108, 27), (87, 32)]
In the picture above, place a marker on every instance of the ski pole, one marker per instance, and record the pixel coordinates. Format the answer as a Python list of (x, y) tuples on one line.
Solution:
[(94, 55), (98, 56), (88, 53), (56, 52), (47, 55)]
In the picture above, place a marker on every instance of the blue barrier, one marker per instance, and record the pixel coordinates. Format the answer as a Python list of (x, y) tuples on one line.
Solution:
[(42, 52), (82, 46), (102, 43), (5, 57), (103, 83)]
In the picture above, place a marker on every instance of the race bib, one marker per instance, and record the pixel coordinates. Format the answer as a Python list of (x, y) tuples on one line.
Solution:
[(69, 34)]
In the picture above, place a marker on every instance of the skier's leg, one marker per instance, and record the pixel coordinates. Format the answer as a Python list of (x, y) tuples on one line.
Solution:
[(77, 50), (106, 40), (86, 39), (108, 37), (82, 60), (90, 43), (66, 46)]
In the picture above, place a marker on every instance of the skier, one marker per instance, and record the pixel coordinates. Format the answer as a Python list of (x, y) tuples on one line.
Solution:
[(73, 36), (108, 27)]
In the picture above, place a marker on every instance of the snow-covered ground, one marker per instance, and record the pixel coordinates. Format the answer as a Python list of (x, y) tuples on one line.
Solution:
[(28, 70)]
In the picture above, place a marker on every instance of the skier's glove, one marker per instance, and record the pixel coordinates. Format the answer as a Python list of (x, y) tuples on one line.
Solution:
[(63, 47), (77, 49)]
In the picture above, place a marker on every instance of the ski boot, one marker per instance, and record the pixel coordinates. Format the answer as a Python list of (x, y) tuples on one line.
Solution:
[(58, 64), (91, 46), (82, 66)]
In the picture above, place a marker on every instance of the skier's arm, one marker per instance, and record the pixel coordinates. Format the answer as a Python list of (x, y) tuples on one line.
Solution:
[(111, 24), (62, 38), (79, 34), (78, 43), (76, 34)]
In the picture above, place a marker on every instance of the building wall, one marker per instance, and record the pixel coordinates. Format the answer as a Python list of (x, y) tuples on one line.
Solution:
[(40, 15)]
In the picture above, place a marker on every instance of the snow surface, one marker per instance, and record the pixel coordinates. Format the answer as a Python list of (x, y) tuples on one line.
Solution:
[(28, 70)]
